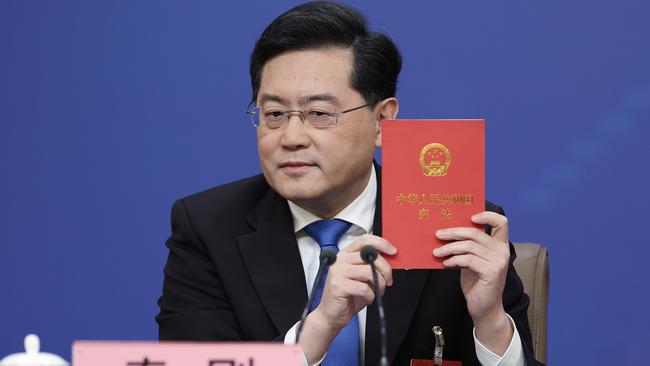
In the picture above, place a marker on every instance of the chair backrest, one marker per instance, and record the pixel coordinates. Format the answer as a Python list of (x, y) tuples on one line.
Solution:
[(532, 266)]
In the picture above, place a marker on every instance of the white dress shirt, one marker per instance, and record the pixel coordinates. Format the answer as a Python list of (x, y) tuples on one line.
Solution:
[(361, 213)]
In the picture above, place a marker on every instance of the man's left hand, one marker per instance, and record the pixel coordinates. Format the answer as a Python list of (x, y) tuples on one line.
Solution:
[(483, 260)]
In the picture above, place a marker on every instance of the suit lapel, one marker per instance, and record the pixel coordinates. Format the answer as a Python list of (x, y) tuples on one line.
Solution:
[(400, 301), (273, 261)]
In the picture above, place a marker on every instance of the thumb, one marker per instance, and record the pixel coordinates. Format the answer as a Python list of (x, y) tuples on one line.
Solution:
[(498, 222)]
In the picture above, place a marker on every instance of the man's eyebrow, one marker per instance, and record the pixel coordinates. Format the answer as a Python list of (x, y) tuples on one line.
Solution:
[(321, 98), (272, 98), (325, 97)]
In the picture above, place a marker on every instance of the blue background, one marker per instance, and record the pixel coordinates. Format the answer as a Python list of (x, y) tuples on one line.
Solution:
[(111, 110)]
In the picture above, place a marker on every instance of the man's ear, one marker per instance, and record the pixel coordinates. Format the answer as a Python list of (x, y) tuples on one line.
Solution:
[(386, 109)]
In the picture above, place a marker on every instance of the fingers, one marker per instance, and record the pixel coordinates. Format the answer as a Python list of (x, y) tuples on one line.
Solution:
[(381, 244), (471, 262), (467, 242), (342, 298), (352, 266), (464, 233), (359, 276), (498, 222), (351, 277), (490, 218), (352, 255), (462, 247), (349, 288), (385, 272), (364, 274), (471, 241), (350, 284)]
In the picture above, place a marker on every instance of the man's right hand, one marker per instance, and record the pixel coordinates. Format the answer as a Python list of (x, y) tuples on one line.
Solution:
[(348, 289)]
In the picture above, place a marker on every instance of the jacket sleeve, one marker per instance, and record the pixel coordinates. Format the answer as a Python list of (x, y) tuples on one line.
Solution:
[(194, 304)]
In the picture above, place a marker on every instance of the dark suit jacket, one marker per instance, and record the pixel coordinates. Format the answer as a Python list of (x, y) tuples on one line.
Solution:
[(234, 273)]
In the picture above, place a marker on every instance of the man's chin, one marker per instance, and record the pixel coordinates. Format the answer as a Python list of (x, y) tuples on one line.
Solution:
[(298, 196)]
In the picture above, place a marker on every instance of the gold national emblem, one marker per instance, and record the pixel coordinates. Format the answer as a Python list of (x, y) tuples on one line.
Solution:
[(435, 159)]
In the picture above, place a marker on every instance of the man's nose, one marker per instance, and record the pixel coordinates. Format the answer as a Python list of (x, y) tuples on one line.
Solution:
[(294, 133)]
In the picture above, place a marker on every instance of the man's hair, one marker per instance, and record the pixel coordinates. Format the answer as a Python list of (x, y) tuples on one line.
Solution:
[(320, 24)]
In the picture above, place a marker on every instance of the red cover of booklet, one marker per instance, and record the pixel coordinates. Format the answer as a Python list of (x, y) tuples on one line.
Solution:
[(433, 177)]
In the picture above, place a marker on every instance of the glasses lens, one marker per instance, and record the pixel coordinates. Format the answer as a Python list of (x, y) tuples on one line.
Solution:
[(272, 117), (320, 118)]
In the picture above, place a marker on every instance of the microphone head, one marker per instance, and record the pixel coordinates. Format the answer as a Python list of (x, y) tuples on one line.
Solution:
[(369, 254), (329, 256)]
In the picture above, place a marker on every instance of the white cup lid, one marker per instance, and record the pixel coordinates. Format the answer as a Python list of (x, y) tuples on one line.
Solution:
[(32, 355)]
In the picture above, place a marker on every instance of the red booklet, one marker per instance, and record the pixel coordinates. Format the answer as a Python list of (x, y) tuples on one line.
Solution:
[(433, 177)]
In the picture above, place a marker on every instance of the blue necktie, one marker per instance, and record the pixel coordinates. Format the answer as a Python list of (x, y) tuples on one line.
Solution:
[(344, 350)]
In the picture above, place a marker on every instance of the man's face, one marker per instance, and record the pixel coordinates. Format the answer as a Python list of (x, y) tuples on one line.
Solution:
[(321, 170)]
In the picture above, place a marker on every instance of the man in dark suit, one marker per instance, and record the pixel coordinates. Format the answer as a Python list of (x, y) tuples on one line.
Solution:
[(243, 256)]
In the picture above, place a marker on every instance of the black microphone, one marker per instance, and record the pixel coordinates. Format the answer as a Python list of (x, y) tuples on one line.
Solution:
[(369, 255), (327, 258)]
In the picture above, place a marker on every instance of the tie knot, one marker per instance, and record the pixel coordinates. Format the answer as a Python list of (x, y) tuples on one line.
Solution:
[(327, 233)]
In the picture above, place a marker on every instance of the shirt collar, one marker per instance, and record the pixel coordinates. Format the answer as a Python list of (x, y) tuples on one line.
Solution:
[(360, 212)]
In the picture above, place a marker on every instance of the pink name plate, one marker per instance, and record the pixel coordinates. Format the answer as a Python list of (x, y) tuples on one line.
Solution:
[(125, 353)]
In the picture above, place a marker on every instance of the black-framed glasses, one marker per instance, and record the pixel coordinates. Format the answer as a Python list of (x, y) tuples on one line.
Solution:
[(275, 117)]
